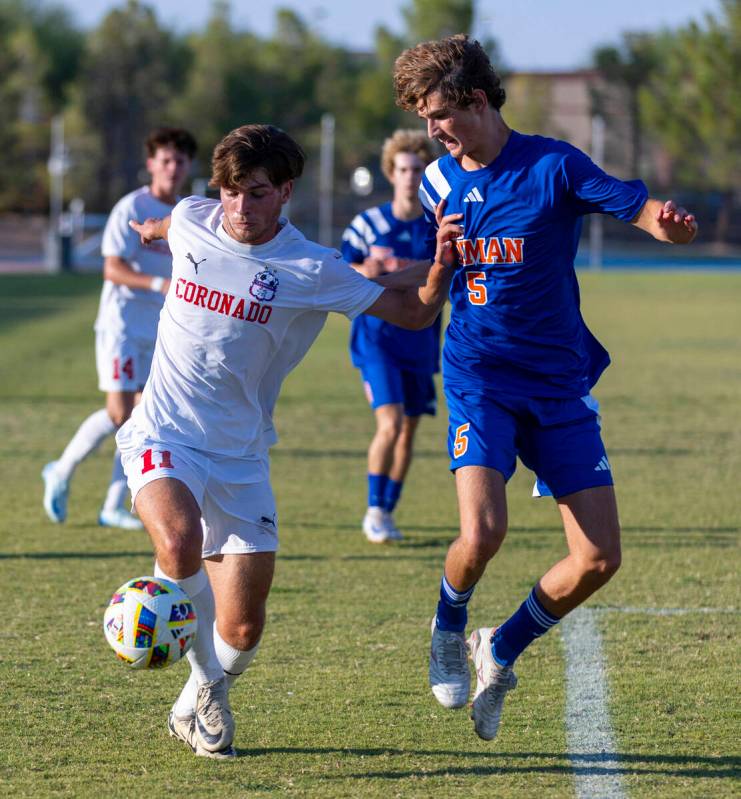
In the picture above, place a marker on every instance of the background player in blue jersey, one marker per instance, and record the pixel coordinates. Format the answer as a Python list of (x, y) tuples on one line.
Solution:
[(518, 361), (396, 364)]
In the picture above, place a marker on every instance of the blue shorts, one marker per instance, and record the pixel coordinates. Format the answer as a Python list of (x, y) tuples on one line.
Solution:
[(558, 439), (386, 384)]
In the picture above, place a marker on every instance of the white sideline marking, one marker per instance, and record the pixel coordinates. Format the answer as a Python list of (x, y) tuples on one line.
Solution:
[(591, 743)]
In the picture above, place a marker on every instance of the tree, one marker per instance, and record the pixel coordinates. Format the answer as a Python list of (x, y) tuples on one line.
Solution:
[(434, 19), (693, 105), (130, 68)]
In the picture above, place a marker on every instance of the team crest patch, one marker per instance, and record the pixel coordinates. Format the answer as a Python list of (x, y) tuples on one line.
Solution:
[(265, 285)]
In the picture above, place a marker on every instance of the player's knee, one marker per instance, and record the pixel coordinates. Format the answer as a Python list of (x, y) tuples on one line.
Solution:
[(483, 541), (599, 568), (244, 634), (177, 551), (389, 428), (118, 415)]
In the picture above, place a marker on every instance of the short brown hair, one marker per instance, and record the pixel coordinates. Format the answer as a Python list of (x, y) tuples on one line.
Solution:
[(252, 147), (178, 138), (405, 141), (454, 66)]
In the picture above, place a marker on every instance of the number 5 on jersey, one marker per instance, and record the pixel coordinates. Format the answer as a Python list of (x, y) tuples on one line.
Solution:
[(476, 284), (460, 445), (165, 461)]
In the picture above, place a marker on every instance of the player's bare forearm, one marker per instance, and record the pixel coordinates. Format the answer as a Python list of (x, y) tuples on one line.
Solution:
[(665, 221), (120, 272), (151, 229), (412, 276)]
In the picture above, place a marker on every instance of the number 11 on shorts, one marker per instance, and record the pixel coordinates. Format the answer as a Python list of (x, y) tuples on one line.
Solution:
[(150, 465)]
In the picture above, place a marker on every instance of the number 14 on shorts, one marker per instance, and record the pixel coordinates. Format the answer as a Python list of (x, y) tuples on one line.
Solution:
[(153, 459)]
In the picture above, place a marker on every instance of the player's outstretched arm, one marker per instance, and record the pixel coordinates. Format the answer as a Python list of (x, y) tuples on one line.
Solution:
[(120, 272), (666, 221), (151, 229), (418, 307)]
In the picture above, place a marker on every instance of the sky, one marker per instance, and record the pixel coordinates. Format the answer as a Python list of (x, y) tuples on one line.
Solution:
[(532, 34)]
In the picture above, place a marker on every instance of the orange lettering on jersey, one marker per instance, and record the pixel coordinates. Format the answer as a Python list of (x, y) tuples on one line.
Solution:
[(513, 250), (239, 310), (226, 304), (494, 254), (472, 252)]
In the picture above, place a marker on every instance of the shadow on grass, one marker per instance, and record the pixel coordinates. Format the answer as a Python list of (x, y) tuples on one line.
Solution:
[(72, 555), (591, 763)]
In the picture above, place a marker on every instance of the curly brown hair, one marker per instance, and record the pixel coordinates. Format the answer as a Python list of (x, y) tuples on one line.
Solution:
[(454, 66), (405, 141), (252, 147)]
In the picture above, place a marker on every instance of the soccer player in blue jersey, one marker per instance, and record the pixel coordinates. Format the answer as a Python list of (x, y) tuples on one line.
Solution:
[(396, 364), (518, 362)]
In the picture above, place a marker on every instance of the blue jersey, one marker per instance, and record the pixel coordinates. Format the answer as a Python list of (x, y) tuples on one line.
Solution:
[(515, 322), (371, 339)]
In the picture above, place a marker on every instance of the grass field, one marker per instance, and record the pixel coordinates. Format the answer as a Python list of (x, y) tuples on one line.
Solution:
[(337, 703)]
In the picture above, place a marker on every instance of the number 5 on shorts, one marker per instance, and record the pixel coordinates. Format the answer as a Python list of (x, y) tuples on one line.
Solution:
[(460, 445)]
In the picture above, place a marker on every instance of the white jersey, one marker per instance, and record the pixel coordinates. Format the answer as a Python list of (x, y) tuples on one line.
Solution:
[(133, 312), (237, 319)]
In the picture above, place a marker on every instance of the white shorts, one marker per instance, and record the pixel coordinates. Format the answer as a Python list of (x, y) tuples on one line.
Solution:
[(238, 517), (123, 363)]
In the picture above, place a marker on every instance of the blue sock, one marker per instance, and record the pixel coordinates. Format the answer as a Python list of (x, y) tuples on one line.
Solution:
[(393, 492), (526, 624), (376, 489), (452, 611)]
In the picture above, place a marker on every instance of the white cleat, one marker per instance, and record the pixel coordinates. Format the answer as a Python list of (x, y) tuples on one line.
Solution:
[(214, 723), (394, 533), (492, 683), (119, 517), (184, 729), (450, 678), (56, 492), (375, 525)]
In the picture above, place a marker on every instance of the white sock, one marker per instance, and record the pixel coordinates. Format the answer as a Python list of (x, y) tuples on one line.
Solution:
[(202, 655), (87, 439), (233, 661), (117, 488)]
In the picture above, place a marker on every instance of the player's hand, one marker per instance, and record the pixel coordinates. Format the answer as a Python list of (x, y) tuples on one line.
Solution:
[(671, 216), (448, 230), (149, 230), (373, 267)]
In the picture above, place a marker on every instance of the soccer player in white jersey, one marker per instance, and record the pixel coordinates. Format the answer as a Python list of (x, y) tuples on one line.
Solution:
[(136, 279), (249, 294), (518, 362), (396, 365)]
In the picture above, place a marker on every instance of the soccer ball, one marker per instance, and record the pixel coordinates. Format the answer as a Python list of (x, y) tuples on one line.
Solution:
[(150, 623)]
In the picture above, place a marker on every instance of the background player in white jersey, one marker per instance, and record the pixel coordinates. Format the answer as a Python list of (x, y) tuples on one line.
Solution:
[(396, 364), (519, 362), (248, 297), (136, 279)]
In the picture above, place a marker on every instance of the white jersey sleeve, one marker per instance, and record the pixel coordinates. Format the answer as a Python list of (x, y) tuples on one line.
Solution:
[(343, 289)]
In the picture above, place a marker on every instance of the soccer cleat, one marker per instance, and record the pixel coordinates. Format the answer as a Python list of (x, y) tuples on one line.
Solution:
[(214, 722), (56, 492), (119, 517), (492, 683), (184, 729), (375, 525), (450, 678), (394, 533)]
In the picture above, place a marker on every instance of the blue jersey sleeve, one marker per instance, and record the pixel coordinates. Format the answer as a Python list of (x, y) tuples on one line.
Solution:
[(594, 191), (354, 245)]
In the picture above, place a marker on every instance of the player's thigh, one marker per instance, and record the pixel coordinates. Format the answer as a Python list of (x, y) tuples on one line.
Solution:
[(120, 404), (123, 362), (241, 584), (482, 503), (239, 518), (591, 524), (561, 442), (481, 432), (383, 384)]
